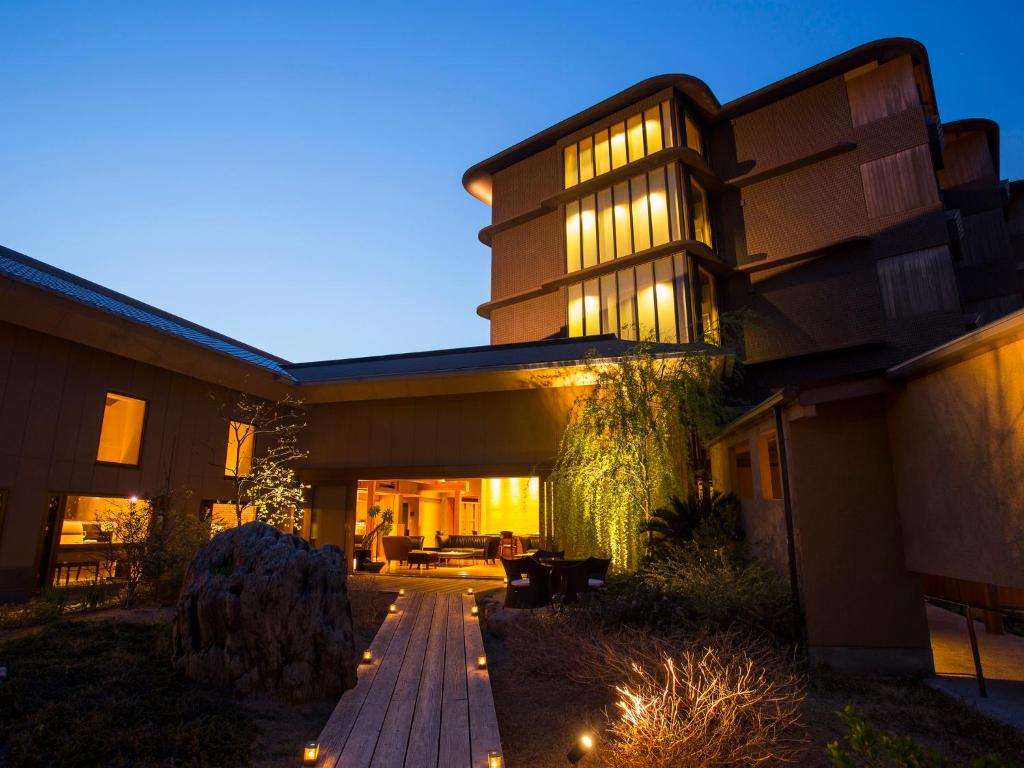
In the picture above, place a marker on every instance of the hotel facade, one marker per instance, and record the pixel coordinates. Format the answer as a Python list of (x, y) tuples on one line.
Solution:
[(871, 251)]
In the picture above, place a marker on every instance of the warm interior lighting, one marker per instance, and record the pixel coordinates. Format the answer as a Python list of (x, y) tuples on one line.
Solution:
[(494, 760), (310, 753), (392, 608), (481, 662), (474, 611), (367, 656), (580, 748), (121, 429)]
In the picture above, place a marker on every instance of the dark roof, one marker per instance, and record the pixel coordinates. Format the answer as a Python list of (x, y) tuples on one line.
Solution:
[(477, 180), (520, 356), (19, 267)]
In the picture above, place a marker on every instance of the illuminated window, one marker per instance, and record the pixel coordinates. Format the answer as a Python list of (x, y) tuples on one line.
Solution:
[(631, 216), (701, 218), (241, 441), (646, 302), (768, 460), (708, 306), (624, 142), (121, 431), (693, 140)]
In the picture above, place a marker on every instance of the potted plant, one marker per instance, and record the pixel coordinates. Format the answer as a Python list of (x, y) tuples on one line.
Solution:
[(364, 555)]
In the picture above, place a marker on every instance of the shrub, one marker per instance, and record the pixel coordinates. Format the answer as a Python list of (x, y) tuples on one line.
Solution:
[(871, 749), (707, 518)]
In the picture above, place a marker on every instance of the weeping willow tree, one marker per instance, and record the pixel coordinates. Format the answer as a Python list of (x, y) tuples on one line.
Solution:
[(629, 446)]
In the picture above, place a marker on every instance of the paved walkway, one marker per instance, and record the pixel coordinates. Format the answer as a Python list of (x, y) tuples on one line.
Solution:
[(422, 702), (1002, 663)]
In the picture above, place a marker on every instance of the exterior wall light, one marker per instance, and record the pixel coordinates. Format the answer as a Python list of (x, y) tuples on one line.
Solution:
[(310, 753), (474, 611), (368, 656), (494, 760), (392, 608), (580, 748), (481, 662)]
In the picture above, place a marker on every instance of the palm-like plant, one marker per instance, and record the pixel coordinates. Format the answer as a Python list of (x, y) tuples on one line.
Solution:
[(707, 518)]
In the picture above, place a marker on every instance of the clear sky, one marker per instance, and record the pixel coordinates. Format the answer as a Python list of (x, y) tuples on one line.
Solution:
[(289, 173)]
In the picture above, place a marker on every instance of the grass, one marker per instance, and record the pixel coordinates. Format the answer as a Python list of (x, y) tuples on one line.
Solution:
[(99, 690)]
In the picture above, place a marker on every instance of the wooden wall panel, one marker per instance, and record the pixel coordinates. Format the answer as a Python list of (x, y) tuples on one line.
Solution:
[(967, 161), (917, 283), (882, 91), (900, 182)]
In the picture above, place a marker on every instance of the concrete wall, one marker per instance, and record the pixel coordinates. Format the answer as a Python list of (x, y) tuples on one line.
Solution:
[(957, 436)]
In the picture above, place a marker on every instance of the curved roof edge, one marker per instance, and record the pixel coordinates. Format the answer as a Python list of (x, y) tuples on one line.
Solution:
[(477, 179), (983, 124)]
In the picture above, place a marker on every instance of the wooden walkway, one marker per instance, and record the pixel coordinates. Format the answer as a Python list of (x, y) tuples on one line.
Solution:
[(422, 702)]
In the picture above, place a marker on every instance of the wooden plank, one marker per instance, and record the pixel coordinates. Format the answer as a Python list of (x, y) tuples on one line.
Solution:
[(394, 733), (339, 725), (425, 732), (362, 741), (453, 750), (483, 722)]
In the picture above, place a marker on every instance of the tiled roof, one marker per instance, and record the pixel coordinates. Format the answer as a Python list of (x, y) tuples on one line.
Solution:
[(26, 270), (524, 355)]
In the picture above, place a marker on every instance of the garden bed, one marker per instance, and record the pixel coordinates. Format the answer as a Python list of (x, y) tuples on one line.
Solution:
[(98, 689)]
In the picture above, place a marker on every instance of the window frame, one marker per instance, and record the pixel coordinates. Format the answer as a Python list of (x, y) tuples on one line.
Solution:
[(764, 467), (741, 446), (142, 429), (228, 475)]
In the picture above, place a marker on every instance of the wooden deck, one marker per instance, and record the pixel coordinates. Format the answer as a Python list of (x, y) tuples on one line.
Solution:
[(422, 702)]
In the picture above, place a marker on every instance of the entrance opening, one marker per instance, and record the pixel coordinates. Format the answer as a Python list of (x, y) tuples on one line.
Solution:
[(449, 526)]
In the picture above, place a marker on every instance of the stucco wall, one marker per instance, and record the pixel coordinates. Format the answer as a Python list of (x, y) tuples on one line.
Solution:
[(957, 437)]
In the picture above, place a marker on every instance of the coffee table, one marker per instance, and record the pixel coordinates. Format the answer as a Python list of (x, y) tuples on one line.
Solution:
[(447, 555)]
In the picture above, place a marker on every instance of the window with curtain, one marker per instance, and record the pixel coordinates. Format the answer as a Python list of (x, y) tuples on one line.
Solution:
[(631, 216), (241, 441), (646, 302)]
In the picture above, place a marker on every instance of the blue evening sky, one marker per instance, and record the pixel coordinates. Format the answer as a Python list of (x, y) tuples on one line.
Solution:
[(289, 173)]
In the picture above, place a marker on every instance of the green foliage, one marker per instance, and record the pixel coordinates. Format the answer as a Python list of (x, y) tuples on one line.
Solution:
[(627, 448), (874, 749), (43, 609), (383, 528), (708, 518), (176, 533), (83, 694)]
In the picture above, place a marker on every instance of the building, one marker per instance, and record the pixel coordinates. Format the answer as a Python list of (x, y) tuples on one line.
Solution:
[(853, 229)]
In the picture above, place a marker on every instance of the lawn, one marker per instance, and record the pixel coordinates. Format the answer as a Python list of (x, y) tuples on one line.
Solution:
[(100, 690)]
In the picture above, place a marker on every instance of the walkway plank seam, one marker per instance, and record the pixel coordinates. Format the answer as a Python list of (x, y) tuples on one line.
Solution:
[(422, 703)]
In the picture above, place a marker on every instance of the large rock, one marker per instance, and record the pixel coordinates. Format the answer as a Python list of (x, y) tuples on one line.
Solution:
[(263, 611)]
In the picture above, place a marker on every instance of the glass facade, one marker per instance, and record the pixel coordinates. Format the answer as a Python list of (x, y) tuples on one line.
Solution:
[(631, 216), (708, 305), (646, 302), (634, 138)]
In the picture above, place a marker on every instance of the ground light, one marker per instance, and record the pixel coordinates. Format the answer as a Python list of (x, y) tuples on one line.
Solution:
[(481, 662), (368, 656), (469, 591), (401, 592), (474, 611), (580, 748), (392, 608), (494, 760), (310, 753)]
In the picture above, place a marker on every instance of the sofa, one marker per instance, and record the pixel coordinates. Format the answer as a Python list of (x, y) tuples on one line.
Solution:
[(480, 547), (399, 547)]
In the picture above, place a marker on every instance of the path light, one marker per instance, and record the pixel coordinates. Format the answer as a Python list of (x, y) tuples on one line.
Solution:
[(481, 662), (392, 608), (494, 760), (580, 748), (368, 656), (474, 611), (469, 591), (505, 581), (310, 753), (401, 591)]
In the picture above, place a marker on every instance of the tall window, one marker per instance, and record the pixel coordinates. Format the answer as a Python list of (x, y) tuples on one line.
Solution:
[(693, 139), (634, 138), (771, 473), (646, 302), (241, 441), (633, 215), (121, 431), (701, 218), (742, 471), (708, 306)]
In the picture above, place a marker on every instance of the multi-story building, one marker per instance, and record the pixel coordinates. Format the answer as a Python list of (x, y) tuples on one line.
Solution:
[(845, 227)]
